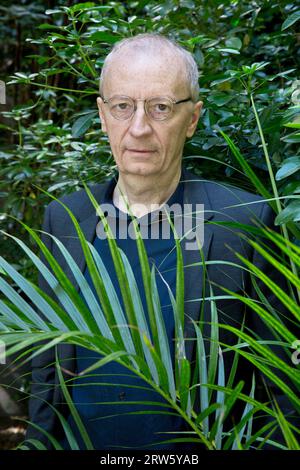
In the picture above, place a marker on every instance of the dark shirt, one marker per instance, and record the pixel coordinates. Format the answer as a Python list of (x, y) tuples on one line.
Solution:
[(102, 397)]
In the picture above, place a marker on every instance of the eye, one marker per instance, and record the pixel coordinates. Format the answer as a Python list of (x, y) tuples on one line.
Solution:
[(122, 106), (161, 107)]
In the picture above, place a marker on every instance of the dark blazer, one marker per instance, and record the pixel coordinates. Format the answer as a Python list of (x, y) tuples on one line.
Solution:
[(217, 199)]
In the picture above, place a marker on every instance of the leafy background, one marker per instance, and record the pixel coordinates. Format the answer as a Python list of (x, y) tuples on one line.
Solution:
[(52, 60), (52, 53)]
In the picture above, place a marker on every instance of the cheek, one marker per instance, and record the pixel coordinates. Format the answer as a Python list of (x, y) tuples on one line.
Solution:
[(174, 139), (115, 137)]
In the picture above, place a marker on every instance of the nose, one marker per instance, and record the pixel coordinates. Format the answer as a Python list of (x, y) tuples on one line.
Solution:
[(140, 123)]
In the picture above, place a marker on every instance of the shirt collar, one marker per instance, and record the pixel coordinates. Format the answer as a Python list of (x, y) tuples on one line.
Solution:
[(175, 198)]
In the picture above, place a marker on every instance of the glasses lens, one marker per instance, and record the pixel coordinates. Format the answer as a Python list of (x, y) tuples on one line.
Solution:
[(121, 107), (159, 108)]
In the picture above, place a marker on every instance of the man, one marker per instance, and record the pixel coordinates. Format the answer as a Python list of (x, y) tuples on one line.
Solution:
[(148, 106)]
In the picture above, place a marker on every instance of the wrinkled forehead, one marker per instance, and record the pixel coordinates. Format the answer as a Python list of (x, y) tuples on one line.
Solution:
[(139, 73)]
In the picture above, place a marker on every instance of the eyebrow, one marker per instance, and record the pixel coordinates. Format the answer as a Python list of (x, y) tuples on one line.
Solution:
[(140, 99)]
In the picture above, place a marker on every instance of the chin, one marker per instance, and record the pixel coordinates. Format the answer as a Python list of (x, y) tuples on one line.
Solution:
[(141, 169)]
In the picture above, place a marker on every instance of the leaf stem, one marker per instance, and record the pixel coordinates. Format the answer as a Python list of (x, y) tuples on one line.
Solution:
[(20, 133), (64, 89), (273, 183), (82, 53)]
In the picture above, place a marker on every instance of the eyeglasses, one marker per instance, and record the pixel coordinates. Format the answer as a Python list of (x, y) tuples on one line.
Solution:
[(158, 108)]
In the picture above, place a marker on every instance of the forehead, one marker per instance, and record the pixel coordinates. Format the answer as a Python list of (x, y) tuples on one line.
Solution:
[(141, 75)]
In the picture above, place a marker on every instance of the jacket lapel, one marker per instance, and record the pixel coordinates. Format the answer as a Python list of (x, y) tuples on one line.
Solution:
[(195, 192), (87, 221)]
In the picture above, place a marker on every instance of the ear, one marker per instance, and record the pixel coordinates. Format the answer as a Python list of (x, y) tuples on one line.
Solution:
[(100, 105), (194, 119)]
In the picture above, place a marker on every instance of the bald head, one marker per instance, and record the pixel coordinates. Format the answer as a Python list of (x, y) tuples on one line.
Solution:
[(155, 49)]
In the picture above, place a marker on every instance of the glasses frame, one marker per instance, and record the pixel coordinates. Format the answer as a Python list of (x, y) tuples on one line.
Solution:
[(145, 105)]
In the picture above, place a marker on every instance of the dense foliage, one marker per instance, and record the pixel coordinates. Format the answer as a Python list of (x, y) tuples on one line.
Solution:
[(50, 135)]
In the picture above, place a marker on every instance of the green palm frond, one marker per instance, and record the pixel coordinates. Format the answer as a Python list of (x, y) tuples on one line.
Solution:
[(98, 322)]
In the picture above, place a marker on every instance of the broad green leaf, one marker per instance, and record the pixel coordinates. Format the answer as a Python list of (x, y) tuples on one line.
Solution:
[(293, 125), (293, 138), (234, 43), (290, 20), (289, 213), (228, 50), (82, 124), (82, 7), (53, 11), (220, 98), (289, 166), (103, 36)]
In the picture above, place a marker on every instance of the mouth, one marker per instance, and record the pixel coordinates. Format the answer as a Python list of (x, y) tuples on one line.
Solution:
[(141, 151)]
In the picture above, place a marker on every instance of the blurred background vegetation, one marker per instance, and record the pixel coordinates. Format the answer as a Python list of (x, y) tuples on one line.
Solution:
[(52, 53)]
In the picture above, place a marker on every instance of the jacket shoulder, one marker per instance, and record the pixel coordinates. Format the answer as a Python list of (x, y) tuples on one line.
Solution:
[(226, 193), (78, 202), (224, 199)]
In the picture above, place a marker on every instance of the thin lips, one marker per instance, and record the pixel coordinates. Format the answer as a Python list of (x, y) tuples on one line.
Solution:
[(141, 151)]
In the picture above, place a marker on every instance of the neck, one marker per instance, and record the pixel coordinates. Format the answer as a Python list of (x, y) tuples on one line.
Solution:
[(143, 194)]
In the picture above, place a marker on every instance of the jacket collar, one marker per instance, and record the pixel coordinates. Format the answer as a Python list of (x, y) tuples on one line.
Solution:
[(103, 192)]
